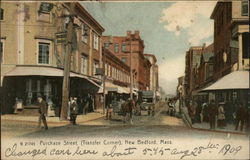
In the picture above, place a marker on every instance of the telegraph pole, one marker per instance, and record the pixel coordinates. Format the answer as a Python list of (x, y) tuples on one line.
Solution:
[(131, 74), (66, 72)]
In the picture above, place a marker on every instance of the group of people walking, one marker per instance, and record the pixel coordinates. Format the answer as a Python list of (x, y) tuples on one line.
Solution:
[(73, 109), (218, 112)]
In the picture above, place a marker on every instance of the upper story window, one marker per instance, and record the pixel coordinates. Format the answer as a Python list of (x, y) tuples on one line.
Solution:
[(43, 53), (1, 51), (95, 66), (124, 59), (96, 41), (45, 7), (116, 49), (1, 14), (84, 64), (85, 30), (124, 47), (245, 8), (106, 45)]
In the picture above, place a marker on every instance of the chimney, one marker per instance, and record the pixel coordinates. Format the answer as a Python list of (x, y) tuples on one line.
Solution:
[(137, 34), (128, 33)]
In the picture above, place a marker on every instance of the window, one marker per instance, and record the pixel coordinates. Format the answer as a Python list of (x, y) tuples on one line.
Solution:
[(43, 56), (116, 47), (84, 65), (45, 7), (95, 66), (85, 33), (96, 41), (124, 59), (244, 8), (245, 45), (124, 47), (1, 14), (106, 45), (1, 51)]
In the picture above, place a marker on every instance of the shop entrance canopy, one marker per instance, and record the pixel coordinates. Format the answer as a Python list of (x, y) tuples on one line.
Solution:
[(232, 81)]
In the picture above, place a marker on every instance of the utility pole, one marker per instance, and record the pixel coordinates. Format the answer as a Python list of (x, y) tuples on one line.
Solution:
[(66, 72), (104, 79), (131, 74)]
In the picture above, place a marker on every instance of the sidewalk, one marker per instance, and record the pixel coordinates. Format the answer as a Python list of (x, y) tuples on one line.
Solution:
[(52, 120), (228, 128)]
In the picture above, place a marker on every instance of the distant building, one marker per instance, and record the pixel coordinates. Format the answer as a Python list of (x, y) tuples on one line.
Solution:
[(154, 84), (204, 73), (193, 57), (121, 47)]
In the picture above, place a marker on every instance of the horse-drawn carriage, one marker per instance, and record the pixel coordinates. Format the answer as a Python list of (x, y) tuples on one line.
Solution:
[(146, 102)]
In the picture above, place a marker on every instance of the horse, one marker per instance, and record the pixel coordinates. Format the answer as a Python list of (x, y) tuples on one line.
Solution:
[(127, 110)]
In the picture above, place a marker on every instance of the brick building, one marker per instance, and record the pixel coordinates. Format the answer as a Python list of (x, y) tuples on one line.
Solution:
[(231, 37), (122, 46), (193, 56), (33, 49), (231, 53)]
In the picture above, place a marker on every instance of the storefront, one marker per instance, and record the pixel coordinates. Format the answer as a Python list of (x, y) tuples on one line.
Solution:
[(25, 83)]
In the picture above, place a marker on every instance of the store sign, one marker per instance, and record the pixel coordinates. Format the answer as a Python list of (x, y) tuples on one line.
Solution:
[(61, 37), (99, 71)]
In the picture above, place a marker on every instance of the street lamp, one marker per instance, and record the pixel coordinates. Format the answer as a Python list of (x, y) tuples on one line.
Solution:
[(131, 74)]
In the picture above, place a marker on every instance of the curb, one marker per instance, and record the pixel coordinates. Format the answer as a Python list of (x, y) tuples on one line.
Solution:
[(60, 122), (218, 131)]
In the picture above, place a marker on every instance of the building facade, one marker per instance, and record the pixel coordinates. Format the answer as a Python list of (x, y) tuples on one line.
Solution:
[(122, 47), (33, 38), (231, 37), (154, 84), (193, 56), (231, 52)]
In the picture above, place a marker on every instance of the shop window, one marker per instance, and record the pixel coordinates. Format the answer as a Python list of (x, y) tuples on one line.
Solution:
[(116, 48), (245, 45), (1, 14), (244, 8), (43, 56)]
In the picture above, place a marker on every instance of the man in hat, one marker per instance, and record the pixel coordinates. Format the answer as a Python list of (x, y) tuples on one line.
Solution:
[(73, 111), (42, 111)]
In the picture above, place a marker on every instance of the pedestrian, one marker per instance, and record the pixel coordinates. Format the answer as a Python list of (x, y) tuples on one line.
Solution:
[(42, 112), (213, 112), (69, 106), (73, 111), (108, 106), (205, 117), (221, 116), (241, 116)]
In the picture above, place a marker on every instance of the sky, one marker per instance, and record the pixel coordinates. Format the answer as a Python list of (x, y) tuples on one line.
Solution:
[(167, 28)]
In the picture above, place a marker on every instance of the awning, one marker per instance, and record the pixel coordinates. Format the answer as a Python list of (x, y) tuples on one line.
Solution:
[(113, 88), (234, 80), (43, 71)]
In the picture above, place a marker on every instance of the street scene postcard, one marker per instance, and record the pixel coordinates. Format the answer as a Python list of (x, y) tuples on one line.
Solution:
[(124, 80)]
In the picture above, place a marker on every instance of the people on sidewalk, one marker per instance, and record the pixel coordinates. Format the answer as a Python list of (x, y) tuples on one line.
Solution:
[(221, 116), (213, 112), (73, 111), (42, 111), (241, 116)]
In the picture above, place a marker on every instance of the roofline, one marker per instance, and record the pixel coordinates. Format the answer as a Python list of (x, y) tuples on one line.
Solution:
[(150, 55), (89, 15)]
